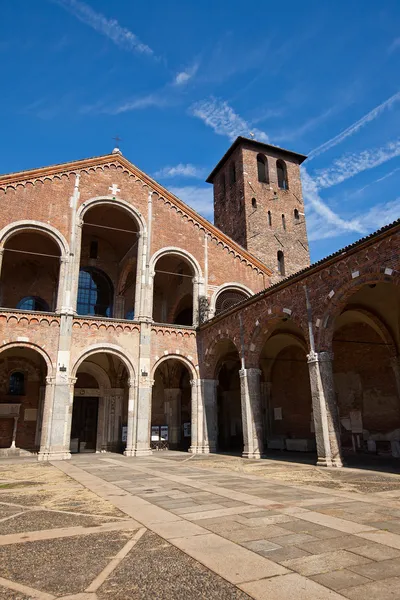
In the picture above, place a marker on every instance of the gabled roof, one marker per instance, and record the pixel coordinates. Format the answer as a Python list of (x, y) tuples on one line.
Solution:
[(43, 172), (267, 148)]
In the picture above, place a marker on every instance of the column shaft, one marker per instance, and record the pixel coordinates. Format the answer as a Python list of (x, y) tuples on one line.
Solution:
[(251, 412), (46, 419), (326, 418)]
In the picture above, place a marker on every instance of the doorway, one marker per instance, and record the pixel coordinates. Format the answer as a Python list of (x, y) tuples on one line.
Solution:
[(84, 424)]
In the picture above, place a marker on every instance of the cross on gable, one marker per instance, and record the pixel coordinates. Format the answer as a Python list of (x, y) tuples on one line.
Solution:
[(114, 189)]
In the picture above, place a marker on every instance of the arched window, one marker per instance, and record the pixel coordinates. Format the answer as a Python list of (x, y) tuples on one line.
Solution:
[(33, 303), (283, 222), (281, 172), (228, 298), (269, 218), (296, 215), (16, 384), (254, 203), (262, 168), (232, 173), (281, 262), (95, 293)]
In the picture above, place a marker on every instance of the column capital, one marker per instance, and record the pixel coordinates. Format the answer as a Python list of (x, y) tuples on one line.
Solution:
[(50, 380), (325, 356)]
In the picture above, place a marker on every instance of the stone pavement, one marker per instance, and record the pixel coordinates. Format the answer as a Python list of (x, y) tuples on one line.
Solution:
[(178, 526)]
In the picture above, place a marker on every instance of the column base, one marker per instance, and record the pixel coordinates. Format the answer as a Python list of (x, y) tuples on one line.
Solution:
[(43, 456), (329, 462), (254, 455), (138, 452), (202, 450)]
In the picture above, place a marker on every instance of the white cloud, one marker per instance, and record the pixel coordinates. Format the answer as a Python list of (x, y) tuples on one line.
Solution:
[(218, 115), (323, 222), (351, 164), (122, 37), (183, 77), (376, 181), (138, 103), (198, 197), (338, 139), (180, 170)]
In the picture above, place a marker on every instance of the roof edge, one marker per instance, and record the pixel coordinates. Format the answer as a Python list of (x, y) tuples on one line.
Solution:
[(299, 275), (259, 145), (158, 188)]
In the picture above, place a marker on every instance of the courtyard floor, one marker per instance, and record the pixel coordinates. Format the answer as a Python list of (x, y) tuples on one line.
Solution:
[(175, 526)]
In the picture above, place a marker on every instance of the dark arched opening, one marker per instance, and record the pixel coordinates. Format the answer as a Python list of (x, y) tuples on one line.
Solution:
[(95, 293)]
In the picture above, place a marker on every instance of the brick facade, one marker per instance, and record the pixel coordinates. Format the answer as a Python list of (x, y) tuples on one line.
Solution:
[(162, 259)]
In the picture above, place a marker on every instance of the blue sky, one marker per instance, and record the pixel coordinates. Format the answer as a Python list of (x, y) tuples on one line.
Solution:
[(179, 81)]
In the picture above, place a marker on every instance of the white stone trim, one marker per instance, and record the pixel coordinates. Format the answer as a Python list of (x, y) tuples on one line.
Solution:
[(183, 359), (175, 251), (106, 348), (19, 226)]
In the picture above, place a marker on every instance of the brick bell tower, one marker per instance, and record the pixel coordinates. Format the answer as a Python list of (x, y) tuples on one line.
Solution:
[(258, 202)]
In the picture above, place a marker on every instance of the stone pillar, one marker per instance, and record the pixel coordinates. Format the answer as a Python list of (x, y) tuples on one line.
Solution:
[(46, 419), (326, 418), (141, 441), (62, 283), (196, 418), (141, 446), (132, 412), (61, 418), (266, 389), (173, 398), (208, 426), (251, 412), (198, 290), (119, 307)]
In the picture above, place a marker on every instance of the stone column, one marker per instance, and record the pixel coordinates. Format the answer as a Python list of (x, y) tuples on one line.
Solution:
[(173, 397), (326, 418), (208, 427), (61, 418), (62, 283), (198, 290), (132, 411), (119, 307), (46, 419), (251, 412), (266, 389), (196, 418), (141, 446)]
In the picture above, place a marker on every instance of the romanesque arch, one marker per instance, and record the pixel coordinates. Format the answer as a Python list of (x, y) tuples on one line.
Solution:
[(22, 405), (176, 276), (103, 378), (33, 259), (111, 248), (231, 293)]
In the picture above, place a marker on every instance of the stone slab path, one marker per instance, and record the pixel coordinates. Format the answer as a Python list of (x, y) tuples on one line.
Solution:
[(178, 526)]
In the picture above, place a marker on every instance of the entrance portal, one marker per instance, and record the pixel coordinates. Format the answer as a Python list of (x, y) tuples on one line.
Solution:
[(84, 424)]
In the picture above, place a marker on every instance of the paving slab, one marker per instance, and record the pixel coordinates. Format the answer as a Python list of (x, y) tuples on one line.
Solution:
[(234, 563), (384, 569), (376, 551), (339, 580), (289, 587), (322, 563), (388, 589)]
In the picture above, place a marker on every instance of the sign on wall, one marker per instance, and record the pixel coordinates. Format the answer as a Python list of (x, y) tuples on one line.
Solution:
[(186, 430), (155, 433), (164, 433)]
